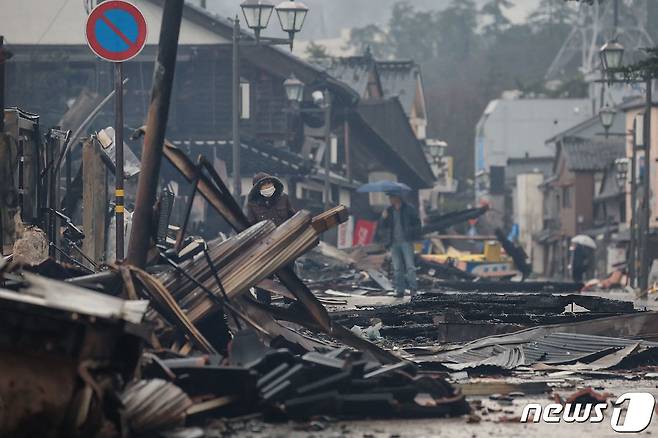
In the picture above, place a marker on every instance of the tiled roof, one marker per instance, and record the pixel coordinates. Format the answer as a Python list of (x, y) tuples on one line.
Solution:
[(592, 154), (386, 118), (399, 79), (352, 71)]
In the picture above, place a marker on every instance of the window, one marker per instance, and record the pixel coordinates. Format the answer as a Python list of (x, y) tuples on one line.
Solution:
[(566, 197), (622, 211), (311, 195)]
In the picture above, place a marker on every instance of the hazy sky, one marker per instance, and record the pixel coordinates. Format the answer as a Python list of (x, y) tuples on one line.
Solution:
[(328, 17)]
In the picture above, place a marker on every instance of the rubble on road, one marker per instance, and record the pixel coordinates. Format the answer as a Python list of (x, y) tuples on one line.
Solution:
[(579, 346), (181, 337), (191, 369), (458, 317)]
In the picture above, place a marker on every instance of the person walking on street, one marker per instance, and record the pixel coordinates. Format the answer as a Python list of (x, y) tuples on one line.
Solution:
[(399, 226), (581, 262), (267, 201)]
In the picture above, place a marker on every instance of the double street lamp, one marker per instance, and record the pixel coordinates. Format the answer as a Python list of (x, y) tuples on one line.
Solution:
[(291, 15), (257, 14), (612, 55), (322, 99)]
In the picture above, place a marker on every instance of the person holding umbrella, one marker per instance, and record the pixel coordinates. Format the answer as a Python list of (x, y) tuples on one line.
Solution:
[(399, 226)]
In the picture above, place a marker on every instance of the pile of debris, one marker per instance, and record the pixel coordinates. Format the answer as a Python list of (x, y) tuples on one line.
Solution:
[(579, 346), (457, 317), (339, 382), (206, 348)]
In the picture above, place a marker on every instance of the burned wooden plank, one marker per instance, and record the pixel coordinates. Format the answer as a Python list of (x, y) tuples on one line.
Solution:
[(219, 197), (440, 222), (94, 200)]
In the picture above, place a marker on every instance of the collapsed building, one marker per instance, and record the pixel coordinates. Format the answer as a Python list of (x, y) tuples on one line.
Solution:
[(172, 339)]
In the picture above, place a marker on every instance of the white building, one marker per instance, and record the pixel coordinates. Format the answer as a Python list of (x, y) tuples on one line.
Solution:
[(517, 128)]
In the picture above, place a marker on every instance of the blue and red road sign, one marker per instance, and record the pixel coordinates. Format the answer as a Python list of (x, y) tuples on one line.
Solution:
[(116, 30)]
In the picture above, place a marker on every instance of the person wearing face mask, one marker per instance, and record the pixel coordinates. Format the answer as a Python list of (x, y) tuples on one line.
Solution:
[(267, 201)]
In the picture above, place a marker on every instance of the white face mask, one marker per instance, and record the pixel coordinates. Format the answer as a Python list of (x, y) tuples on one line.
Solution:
[(268, 192)]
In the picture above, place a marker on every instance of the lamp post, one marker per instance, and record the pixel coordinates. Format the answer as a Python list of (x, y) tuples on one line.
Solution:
[(322, 99), (621, 177), (436, 155), (621, 168), (257, 14), (612, 54), (607, 117)]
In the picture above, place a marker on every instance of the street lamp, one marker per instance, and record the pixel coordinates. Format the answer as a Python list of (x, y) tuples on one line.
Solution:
[(257, 14), (621, 167), (294, 89), (435, 152), (612, 55), (322, 99), (607, 117), (291, 17)]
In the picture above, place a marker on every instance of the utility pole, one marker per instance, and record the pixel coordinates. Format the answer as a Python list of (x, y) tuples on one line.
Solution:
[(632, 247), (237, 178), (327, 148), (645, 259), (3, 59), (156, 124), (118, 151)]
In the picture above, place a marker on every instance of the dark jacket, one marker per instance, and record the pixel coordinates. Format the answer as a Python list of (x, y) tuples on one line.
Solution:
[(276, 208), (410, 224)]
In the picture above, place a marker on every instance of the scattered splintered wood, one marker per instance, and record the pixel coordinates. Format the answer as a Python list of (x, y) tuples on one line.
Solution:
[(243, 261), (217, 194)]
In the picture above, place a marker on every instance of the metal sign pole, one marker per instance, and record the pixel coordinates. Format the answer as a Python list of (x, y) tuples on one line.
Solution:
[(118, 150)]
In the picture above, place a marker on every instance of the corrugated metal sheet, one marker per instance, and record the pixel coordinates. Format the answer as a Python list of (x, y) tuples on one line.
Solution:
[(567, 347), (555, 348)]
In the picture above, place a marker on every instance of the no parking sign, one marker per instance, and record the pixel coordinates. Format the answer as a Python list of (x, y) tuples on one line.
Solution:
[(116, 30)]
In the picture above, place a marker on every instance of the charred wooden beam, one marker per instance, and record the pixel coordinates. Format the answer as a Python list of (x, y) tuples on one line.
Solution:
[(163, 78), (440, 222), (93, 201)]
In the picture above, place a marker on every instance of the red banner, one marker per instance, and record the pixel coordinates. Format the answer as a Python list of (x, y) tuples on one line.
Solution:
[(364, 232)]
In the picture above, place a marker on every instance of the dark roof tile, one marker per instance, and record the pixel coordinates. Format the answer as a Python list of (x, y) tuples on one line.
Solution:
[(592, 154)]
